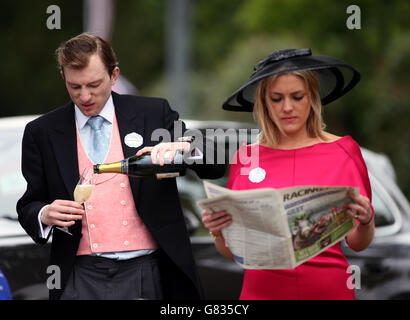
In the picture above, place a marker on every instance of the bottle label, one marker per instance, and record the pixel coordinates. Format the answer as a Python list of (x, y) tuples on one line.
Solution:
[(167, 175)]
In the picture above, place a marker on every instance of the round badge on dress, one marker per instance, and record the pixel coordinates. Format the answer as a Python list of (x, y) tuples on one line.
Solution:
[(257, 175), (133, 140)]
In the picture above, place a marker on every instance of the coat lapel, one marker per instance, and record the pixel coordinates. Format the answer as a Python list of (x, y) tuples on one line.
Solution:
[(63, 138)]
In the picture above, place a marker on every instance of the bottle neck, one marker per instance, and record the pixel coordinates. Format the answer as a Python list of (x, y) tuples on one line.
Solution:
[(116, 167)]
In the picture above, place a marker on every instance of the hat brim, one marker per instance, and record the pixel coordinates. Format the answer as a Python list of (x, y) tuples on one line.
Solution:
[(336, 78)]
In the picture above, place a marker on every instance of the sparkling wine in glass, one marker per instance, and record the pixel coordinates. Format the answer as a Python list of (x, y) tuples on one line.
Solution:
[(83, 190)]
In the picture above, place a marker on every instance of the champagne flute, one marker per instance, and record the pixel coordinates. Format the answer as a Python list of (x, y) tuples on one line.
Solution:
[(83, 190)]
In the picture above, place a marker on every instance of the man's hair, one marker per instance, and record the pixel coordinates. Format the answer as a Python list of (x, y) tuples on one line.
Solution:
[(76, 52), (270, 130)]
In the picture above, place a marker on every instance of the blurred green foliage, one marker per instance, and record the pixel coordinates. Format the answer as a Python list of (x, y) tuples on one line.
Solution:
[(227, 39)]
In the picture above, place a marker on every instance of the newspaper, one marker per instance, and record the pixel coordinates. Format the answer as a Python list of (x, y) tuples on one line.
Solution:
[(280, 228)]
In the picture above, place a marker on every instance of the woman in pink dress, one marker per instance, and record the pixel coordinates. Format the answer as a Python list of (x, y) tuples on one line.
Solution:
[(286, 94)]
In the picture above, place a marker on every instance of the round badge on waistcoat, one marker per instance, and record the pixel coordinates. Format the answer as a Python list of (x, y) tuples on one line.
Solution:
[(257, 175), (133, 140)]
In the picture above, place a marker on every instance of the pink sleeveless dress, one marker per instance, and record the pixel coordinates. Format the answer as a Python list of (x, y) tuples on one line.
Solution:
[(338, 163)]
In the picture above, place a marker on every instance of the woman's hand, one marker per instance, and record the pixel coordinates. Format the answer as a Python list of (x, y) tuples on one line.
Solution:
[(215, 222), (360, 209), (362, 235)]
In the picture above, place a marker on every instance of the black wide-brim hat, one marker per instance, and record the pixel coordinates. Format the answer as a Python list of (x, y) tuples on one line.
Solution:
[(335, 76)]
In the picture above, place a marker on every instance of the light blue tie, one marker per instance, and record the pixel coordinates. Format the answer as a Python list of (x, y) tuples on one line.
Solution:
[(99, 141)]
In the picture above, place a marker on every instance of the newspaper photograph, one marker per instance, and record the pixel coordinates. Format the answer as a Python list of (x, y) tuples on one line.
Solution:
[(280, 228)]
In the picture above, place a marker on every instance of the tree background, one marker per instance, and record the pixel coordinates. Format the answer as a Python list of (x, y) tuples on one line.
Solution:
[(227, 39)]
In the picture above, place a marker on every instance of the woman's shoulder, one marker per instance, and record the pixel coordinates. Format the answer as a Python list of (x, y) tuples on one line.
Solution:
[(346, 142), (351, 149), (330, 137)]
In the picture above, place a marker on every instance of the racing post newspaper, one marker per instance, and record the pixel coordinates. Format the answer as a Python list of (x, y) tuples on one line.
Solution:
[(280, 228)]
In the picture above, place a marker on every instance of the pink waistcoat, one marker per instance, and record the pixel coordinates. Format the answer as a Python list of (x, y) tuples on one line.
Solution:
[(111, 222)]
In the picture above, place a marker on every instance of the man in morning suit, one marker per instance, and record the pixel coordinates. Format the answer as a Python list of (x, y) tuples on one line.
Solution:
[(129, 241)]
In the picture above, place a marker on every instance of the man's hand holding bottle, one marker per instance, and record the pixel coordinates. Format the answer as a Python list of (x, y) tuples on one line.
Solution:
[(164, 151)]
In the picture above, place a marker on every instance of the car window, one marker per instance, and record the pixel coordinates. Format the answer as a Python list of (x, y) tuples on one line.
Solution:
[(383, 215), (12, 183)]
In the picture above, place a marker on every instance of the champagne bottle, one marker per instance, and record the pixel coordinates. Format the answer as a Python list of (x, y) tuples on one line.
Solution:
[(143, 167)]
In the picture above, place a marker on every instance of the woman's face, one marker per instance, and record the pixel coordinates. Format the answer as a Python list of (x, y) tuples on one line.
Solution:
[(289, 104)]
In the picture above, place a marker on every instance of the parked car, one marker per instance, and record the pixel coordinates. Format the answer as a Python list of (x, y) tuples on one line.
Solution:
[(23, 262), (384, 266)]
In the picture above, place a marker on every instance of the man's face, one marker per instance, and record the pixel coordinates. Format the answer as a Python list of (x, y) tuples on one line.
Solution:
[(90, 87)]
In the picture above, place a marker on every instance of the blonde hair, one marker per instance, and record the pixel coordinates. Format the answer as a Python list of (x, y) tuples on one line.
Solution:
[(270, 130)]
